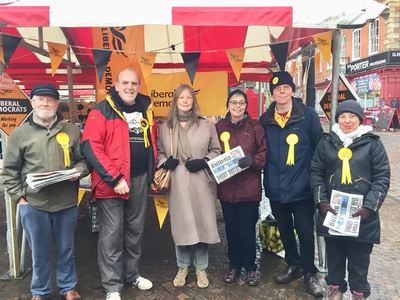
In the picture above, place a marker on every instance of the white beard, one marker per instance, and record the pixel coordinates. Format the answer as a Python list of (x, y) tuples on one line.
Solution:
[(45, 114)]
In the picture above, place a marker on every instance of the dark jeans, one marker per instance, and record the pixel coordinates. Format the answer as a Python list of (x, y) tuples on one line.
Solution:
[(41, 227), (302, 212), (358, 256), (121, 226), (240, 227)]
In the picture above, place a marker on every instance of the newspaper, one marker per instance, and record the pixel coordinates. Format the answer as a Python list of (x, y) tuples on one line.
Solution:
[(39, 180), (226, 165), (343, 223)]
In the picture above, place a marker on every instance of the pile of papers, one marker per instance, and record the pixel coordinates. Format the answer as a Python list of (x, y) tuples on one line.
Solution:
[(39, 180)]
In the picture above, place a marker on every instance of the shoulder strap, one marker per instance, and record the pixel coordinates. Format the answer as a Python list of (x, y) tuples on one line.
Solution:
[(170, 139)]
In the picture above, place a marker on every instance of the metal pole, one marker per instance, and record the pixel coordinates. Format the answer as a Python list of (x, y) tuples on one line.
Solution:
[(335, 73), (310, 88), (260, 98), (23, 251), (70, 88)]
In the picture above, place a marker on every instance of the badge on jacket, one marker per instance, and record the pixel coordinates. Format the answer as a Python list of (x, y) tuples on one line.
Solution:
[(345, 154), (225, 137), (292, 139), (63, 139)]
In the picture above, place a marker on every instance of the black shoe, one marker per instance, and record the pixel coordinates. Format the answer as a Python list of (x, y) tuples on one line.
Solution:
[(231, 275), (313, 287), (289, 274), (252, 278)]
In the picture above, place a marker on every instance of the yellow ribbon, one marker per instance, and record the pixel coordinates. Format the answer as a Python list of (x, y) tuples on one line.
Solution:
[(292, 139), (345, 154), (144, 124), (63, 139), (225, 137)]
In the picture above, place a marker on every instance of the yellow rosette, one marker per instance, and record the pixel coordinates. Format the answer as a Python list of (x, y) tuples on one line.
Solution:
[(345, 154), (63, 139), (144, 124), (225, 137), (292, 139)]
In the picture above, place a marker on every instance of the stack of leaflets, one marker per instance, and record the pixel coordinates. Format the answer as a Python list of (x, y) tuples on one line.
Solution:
[(38, 180)]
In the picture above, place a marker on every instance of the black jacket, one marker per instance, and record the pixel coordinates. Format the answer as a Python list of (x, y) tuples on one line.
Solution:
[(370, 174), (289, 183)]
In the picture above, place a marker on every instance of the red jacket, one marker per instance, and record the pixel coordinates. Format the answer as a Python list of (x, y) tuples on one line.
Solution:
[(105, 144), (245, 186)]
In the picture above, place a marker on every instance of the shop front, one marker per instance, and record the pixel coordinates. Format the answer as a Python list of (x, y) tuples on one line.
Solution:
[(376, 78)]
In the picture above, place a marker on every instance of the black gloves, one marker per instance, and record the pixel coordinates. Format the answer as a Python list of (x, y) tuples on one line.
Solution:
[(196, 165), (324, 207), (171, 163), (246, 161), (363, 212)]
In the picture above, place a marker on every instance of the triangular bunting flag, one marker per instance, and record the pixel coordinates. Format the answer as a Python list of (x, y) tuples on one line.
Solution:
[(101, 58), (191, 61), (317, 60), (10, 44), (280, 53), (161, 208), (56, 53), (236, 58), (81, 193), (294, 65), (146, 62), (324, 42), (1, 50)]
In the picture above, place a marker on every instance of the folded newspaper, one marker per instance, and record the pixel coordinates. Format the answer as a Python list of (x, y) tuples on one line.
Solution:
[(226, 165), (343, 223), (39, 180)]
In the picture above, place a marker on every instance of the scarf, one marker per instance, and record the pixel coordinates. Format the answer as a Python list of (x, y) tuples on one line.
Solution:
[(180, 140), (348, 138)]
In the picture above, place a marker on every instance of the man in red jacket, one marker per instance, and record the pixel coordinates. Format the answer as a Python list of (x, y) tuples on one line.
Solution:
[(119, 143)]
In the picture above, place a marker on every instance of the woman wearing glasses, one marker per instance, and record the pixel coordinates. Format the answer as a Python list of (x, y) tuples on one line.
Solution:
[(240, 195)]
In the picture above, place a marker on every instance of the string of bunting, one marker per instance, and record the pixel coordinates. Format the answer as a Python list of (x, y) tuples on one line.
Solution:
[(9, 43)]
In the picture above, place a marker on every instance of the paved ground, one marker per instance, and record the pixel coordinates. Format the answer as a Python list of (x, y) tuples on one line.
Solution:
[(158, 261)]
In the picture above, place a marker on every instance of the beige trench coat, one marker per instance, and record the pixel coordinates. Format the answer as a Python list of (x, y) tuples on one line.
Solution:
[(192, 196)]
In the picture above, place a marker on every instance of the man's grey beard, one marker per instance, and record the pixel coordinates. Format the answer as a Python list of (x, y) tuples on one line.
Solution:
[(45, 115)]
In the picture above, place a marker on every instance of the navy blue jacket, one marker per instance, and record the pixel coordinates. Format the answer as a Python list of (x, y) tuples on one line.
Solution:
[(289, 183)]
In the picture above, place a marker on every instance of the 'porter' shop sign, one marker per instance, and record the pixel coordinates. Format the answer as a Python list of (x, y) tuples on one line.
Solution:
[(373, 62)]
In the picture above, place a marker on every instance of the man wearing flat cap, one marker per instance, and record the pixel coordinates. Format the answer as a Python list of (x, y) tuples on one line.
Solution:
[(293, 131), (43, 144)]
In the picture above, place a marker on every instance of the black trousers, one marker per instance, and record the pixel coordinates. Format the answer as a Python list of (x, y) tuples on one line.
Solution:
[(358, 257), (302, 213), (240, 227)]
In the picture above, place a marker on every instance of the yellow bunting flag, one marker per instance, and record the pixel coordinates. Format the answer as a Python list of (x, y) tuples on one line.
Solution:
[(1, 50), (81, 193), (56, 54), (146, 62), (324, 42), (225, 137), (292, 139), (161, 208), (63, 139), (236, 58), (144, 124), (293, 68), (345, 154)]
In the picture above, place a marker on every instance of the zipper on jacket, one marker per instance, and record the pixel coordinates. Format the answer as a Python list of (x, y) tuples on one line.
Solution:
[(361, 178), (331, 177)]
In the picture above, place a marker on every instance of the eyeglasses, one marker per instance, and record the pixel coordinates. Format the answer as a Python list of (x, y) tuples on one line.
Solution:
[(42, 100), (235, 103)]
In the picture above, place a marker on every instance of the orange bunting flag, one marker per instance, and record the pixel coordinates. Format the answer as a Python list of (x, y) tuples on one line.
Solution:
[(1, 50), (56, 53), (324, 43), (294, 65), (317, 59), (146, 62), (161, 204), (236, 58)]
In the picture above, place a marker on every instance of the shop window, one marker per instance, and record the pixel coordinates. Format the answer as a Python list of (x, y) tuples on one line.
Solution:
[(374, 37), (356, 44), (343, 50)]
